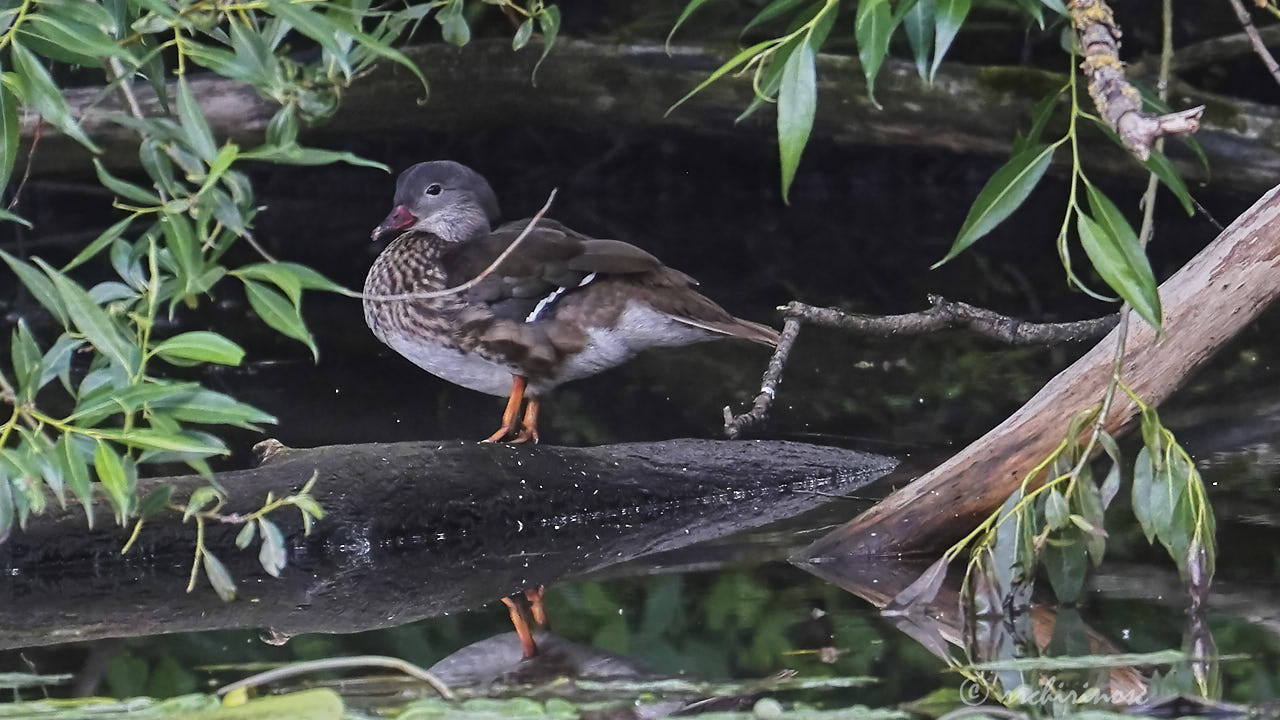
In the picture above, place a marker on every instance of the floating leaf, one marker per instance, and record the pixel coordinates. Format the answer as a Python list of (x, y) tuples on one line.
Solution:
[(797, 100), (1003, 193)]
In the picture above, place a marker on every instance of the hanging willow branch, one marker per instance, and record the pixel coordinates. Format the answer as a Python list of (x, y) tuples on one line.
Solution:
[(1119, 103)]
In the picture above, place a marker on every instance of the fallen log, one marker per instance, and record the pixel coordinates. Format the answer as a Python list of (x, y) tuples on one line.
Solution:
[(584, 83), (413, 530), (1222, 289)]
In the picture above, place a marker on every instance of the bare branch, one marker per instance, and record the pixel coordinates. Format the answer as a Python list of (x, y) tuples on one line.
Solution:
[(734, 425), (1119, 103), (1255, 39), (340, 663), (944, 315), (948, 315)]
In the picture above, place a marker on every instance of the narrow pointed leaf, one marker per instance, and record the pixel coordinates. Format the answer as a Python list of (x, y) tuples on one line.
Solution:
[(1114, 250), (43, 95), (272, 553), (730, 65), (919, 22), (218, 576), (40, 287), (549, 23), (9, 138), (1003, 193), (950, 16), (202, 346), (874, 25), (277, 312), (1159, 164), (100, 243), (93, 321), (112, 476), (689, 10), (797, 101), (769, 12)]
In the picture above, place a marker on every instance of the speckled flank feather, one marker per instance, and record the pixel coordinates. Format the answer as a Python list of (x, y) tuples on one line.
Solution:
[(561, 307)]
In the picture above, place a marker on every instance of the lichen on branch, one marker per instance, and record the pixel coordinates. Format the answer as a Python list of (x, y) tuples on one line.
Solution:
[(1119, 103)]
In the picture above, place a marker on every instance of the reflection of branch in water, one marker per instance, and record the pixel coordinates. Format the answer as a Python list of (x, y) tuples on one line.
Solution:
[(943, 315), (340, 663)]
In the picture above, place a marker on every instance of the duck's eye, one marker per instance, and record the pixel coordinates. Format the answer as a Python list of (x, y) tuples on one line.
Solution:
[(434, 189)]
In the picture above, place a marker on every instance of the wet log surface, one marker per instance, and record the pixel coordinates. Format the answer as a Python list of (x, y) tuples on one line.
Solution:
[(414, 530), (585, 84)]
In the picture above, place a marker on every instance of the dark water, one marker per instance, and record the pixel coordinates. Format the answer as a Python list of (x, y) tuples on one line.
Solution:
[(862, 229)]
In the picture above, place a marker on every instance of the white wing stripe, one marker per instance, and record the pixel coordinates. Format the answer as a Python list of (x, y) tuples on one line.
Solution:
[(546, 302)]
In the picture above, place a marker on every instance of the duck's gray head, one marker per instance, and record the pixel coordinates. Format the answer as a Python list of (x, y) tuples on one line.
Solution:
[(444, 198)]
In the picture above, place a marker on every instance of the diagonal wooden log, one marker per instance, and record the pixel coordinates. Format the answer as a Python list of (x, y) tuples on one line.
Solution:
[(1208, 301)]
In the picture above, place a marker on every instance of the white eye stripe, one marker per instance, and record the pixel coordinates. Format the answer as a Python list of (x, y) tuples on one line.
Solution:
[(547, 301)]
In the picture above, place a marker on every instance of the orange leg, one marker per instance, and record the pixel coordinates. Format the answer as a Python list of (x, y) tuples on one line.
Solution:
[(536, 606), (529, 425), (512, 412), (517, 612)]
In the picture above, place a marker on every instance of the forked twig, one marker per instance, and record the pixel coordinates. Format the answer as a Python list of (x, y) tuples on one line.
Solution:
[(944, 315)]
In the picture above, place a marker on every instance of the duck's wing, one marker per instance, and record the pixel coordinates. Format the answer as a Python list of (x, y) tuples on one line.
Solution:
[(550, 260)]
